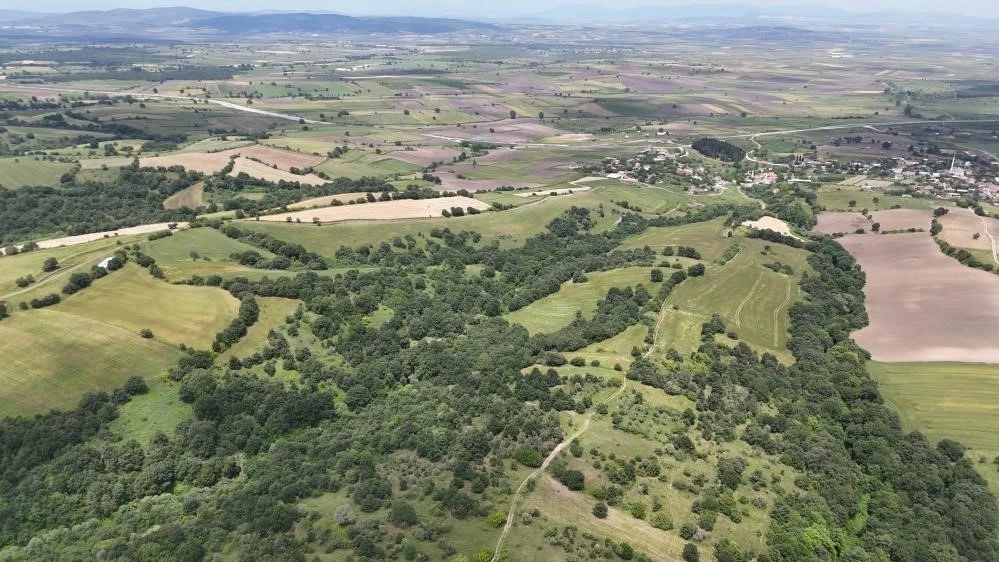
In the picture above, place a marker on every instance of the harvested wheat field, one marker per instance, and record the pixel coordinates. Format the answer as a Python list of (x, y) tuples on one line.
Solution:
[(209, 162), (327, 200), (255, 169), (961, 225), (381, 210), (191, 197), (770, 223), (564, 191), (84, 238), (923, 305)]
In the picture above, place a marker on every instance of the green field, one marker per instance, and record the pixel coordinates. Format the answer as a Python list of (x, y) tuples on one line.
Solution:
[(510, 227), (957, 401), (273, 311), (836, 197), (158, 410), (555, 311), (70, 259), (709, 238), (51, 358), (752, 300), (173, 253), (189, 315), (27, 171)]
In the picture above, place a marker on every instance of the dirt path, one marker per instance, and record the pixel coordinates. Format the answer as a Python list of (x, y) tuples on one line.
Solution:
[(44, 280), (860, 125), (995, 254), (749, 155), (777, 310), (565, 442), (544, 465), (749, 295)]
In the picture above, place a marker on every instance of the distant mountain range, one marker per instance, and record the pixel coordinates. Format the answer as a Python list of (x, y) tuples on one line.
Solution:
[(746, 13), (162, 19)]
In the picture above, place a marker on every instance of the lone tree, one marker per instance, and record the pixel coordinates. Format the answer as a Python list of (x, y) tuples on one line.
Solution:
[(690, 553), (50, 264), (513, 114), (657, 275)]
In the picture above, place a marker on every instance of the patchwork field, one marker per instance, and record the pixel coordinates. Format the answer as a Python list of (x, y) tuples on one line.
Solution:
[(381, 210), (51, 358), (193, 315), (923, 305)]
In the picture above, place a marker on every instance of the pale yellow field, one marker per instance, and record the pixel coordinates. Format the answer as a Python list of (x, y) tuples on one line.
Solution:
[(381, 210)]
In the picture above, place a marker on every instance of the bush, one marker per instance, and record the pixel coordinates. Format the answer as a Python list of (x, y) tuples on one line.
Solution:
[(530, 457), (696, 270), (135, 386), (690, 553), (687, 531), (344, 515), (146, 333), (600, 510), (578, 362)]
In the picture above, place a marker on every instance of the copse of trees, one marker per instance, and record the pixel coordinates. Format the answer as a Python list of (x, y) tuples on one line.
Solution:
[(717, 148)]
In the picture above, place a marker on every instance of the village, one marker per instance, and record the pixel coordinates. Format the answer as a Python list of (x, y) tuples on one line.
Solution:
[(936, 174)]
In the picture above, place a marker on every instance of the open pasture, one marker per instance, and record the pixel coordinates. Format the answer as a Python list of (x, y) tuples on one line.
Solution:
[(752, 300), (51, 358), (557, 310), (262, 171), (836, 197), (709, 238), (957, 401), (192, 315), (510, 227), (381, 210), (213, 248), (924, 305), (30, 171)]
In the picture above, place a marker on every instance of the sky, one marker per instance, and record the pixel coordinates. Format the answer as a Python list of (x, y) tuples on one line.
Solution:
[(459, 8)]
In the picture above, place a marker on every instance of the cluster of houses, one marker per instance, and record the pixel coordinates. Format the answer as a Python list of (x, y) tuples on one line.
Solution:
[(950, 178)]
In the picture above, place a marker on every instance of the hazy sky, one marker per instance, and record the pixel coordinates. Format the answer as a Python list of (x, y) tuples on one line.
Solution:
[(504, 8)]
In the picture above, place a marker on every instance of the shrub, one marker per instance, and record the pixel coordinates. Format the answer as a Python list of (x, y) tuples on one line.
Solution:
[(146, 333), (600, 510)]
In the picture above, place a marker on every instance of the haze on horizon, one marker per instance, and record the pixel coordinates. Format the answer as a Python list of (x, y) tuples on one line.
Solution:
[(511, 8)]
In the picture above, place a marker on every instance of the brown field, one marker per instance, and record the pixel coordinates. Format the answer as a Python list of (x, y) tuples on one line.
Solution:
[(923, 305), (903, 219), (256, 169), (208, 162), (84, 238), (961, 225), (192, 197), (425, 156), (451, 183), (326, 200), (894, 219), (381, 210)]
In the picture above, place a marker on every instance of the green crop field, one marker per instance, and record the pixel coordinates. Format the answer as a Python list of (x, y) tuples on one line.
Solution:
[(51, 358), (957, 401), (173, 253), (837, 197), (27, 171), (555, 311), (190, 315), (752, 300)]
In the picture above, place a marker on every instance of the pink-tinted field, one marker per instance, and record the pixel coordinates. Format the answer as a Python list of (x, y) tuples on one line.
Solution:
[(923, 305)]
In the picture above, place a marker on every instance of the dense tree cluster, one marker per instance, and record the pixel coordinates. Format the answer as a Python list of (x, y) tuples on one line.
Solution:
[(717, 148)]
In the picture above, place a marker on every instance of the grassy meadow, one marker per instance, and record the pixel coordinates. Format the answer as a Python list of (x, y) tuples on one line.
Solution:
[(957, 401), (133, 300), (52, 358)]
